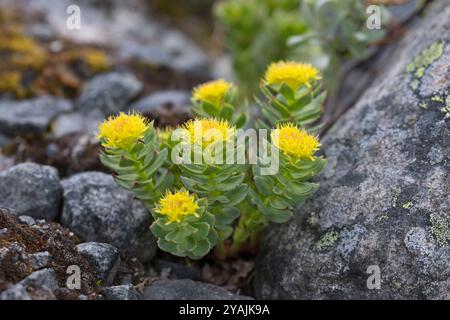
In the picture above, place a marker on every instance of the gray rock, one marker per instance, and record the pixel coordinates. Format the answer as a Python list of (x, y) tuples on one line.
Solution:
[(16, 292), (15, 252), (109, 93), (104, 258), (188, 290), (40, 260), (77, 122), (27, 220), (384, 197), (42, 279), (169, 269), (174, 51), (4, 140), (163, 99), (31, 189), (165, 107), (123, 292), (30, 116), (96, 209), (5, 162)]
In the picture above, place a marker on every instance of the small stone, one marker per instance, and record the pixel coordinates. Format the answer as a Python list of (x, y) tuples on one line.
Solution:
[(188, 290), (45, 279), (30, 116), (104, 258), (16, 292), (27, 220), (109, 93), (31, 189), (40, 260), (123, 292), (74, 122), (97, 209)]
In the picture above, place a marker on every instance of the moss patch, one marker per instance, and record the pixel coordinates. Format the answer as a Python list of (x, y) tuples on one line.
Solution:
[(28, 67), (56, 240)]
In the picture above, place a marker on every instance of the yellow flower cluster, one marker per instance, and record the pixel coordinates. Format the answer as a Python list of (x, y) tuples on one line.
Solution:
[(213, 91), (123, 130), (292, 73), (209, 130), (177, 205), (295, 142)]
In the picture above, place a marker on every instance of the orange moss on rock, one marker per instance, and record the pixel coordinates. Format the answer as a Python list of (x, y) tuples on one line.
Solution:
[(28, 67)]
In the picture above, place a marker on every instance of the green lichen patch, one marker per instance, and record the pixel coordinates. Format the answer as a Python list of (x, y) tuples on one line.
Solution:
[(437, 98), (422, 61), (439, 228), (426, 57), (395, 195), (327, 240), (312, 220), (407, 205), (382, 217), (442, 102), (446, 111), (423, 105)]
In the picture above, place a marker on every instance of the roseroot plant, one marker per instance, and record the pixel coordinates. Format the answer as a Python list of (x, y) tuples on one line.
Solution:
[(210, 183), (293, 93)]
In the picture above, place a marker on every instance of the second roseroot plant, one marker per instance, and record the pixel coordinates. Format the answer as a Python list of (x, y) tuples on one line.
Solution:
[(206, 182)]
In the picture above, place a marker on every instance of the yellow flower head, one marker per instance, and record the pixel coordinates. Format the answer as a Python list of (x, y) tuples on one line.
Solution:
[(213, 91), (123, 130), (175, 206), (209, 130), (292, 73), (295, 142)]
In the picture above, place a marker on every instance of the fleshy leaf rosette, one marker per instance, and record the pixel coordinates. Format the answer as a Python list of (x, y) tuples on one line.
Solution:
[(183, 225), (217, 99), (293, 93), (131, 150), (276, 196), (222, 184)]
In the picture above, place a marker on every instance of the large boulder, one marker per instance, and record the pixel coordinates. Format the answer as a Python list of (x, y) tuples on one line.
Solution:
[(383, 208), (31, 189), (97, 209)]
